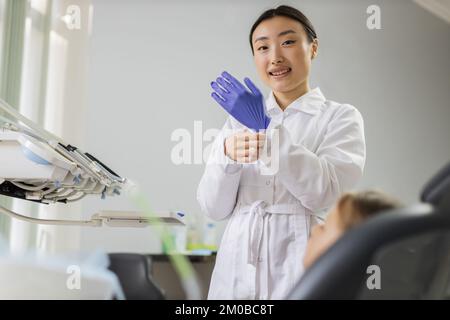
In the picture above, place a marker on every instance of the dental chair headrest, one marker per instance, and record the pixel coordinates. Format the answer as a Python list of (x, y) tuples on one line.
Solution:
[(341, 271), (437, 190)]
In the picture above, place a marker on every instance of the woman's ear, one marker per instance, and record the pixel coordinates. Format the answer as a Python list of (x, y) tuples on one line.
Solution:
[(314, 48)]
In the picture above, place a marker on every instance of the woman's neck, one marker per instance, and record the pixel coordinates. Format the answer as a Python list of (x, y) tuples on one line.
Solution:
[(284, 99)]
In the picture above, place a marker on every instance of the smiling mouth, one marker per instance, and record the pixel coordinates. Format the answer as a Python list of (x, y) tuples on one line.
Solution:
[(281, 73)]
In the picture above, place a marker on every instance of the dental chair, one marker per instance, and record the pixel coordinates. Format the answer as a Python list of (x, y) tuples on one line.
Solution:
[(134, 273), (407, 248)]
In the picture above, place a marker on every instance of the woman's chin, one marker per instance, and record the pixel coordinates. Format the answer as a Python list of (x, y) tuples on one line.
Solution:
[(281, 87), (287, 86)]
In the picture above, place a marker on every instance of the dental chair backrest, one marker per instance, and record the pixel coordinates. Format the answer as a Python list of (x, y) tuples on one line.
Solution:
[(402, 254), (435, 190), (134, 273)]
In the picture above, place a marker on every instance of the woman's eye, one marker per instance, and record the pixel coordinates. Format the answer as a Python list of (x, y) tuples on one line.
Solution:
[(289, 42), (262, 48)]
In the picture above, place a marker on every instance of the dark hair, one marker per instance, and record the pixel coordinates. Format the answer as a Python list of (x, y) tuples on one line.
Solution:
[(289, 12), (357, 207)]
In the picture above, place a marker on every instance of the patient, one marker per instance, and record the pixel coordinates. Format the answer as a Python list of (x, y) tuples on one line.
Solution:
[(351, 210)]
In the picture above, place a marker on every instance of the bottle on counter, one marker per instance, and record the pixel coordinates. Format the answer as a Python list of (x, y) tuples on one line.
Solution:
[(210, 236)]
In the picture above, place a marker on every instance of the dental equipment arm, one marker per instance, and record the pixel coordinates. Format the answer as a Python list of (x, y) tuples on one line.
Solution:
[(38, 166)]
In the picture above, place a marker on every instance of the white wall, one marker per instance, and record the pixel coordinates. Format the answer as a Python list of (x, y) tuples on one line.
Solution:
[(53, 94), (151, 63), (65, 110)]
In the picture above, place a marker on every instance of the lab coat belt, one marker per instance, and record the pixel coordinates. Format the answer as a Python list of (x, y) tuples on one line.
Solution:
[(258, 211), (273, 208)]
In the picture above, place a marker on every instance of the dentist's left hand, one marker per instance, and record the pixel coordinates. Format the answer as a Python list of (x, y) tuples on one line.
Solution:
[(245, 106)]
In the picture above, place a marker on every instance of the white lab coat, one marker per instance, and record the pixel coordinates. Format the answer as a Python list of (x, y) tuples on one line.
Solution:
[(322, 154)]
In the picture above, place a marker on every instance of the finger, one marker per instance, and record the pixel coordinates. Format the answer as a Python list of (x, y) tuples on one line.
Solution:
[(253, 138), (261, 145), (261, 139), (242, 153), (219, 99), (244, 145), (235, 82), (253, 144), (253, 154), (256, 136), (248, 157), (261, 151), (252, 87), (225, 84), (241, 160), (234, 155), (249, 135), (244, 160), (247, 144), (251, 157), (238, 141), (218, 89)]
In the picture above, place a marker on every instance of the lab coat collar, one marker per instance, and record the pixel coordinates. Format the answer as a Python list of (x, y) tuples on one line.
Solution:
[(309, 103)]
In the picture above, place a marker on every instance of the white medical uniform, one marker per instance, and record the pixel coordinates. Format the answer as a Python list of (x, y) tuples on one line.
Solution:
[(322, 154)]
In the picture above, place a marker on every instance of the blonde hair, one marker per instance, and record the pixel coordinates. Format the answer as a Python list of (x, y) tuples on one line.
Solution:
[(355, 207)]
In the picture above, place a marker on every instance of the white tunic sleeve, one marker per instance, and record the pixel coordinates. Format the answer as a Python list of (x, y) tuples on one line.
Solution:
[(218, 187), (317, 178)]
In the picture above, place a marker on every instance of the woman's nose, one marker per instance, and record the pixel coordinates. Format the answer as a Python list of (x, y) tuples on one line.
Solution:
[(277, 57), (277, 60)]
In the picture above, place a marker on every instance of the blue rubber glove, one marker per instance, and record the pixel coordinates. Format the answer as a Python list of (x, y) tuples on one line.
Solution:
[(245, 106)]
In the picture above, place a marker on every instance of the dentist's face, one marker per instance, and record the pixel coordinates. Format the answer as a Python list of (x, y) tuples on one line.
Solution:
[(282, 53)]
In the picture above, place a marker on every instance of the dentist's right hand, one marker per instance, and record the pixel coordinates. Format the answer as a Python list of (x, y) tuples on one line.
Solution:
[(244, 147)]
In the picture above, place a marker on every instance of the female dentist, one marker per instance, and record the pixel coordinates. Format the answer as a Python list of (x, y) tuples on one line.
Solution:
[(321, 154)]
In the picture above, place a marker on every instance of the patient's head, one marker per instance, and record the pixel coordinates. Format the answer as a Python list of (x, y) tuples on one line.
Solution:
[(350, 210)]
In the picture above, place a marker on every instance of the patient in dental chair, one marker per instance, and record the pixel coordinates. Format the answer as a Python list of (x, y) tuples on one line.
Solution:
[(351, 210)]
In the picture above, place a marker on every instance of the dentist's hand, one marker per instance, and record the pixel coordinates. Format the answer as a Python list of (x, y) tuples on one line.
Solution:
[(244, 147), (245, 106)]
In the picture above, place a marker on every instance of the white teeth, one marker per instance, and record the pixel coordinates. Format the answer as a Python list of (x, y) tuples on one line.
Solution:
[(279, 73)]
